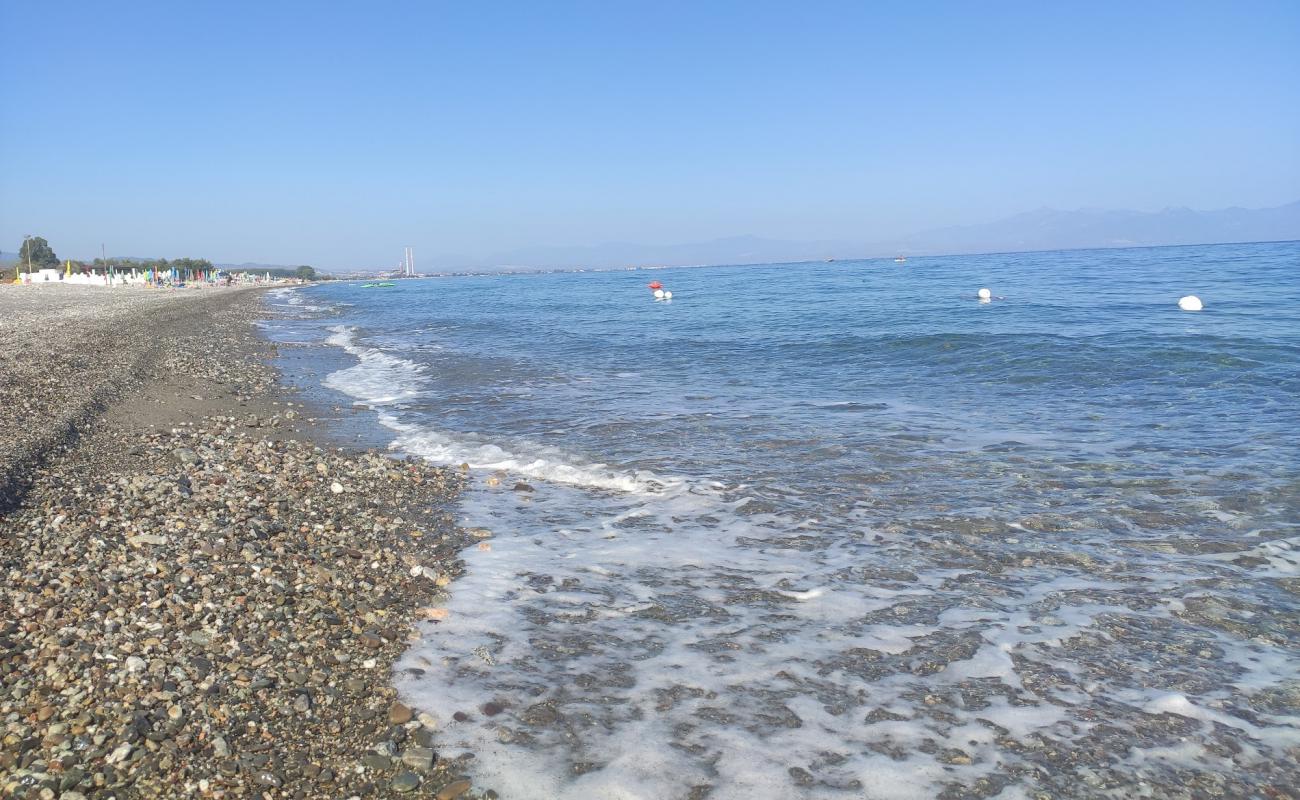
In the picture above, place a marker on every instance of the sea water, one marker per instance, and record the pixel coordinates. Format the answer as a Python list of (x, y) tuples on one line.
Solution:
[(840, 529)]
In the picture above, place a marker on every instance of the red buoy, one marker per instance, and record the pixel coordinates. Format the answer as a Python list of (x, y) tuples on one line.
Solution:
[(655, 285)]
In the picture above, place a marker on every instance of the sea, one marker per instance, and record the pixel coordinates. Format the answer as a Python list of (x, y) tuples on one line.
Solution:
[(845, 530)]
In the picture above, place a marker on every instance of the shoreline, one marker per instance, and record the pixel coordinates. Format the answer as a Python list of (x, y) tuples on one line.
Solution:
[(204, 595)]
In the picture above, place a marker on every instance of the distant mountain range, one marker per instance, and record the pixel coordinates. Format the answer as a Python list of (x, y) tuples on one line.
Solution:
[(1044, 229), (1049, 229)]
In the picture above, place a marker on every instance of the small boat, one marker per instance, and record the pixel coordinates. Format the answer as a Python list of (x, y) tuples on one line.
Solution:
[(380, 285), (901, 260)]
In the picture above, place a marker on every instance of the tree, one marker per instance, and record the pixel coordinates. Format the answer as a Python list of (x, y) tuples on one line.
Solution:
[(306, 273), (39, 252)]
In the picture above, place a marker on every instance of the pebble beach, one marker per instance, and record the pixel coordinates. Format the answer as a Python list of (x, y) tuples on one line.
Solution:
[(201, 597)]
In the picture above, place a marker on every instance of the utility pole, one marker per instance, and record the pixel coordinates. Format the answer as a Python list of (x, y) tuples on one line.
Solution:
[(27, 245)]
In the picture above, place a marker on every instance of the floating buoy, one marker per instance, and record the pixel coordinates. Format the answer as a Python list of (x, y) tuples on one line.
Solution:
[(1190, 303), (985, 294), (655, 285), (668, 295), (659, 294)]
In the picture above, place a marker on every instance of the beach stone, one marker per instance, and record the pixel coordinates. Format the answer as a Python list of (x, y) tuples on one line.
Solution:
[(185, 455), (406, 782), (120, 753), (399, 714), (418, 758), (423, 737), (336, 487), (376, 761), (453, 790)]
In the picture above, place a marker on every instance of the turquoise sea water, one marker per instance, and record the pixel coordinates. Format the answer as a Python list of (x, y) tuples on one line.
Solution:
[(842, 530)]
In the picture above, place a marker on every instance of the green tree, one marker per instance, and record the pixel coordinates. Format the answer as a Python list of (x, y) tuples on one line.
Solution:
[(306, 273), (39, 252)]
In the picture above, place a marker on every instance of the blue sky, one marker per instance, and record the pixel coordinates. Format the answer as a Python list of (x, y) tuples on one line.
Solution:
[(336, 133)]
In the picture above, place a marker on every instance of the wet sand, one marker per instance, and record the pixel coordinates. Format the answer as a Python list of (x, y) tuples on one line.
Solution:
[(200, 599)]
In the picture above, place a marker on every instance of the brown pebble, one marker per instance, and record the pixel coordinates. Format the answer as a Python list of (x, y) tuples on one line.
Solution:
[(399, 714), (453, 790), (491, 709)]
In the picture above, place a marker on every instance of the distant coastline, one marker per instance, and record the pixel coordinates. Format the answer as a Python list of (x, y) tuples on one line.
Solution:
[(521, 270), (1041, 231)]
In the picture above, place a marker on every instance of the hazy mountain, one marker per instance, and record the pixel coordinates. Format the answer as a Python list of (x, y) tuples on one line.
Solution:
[(1044, 229), (1049, 229)]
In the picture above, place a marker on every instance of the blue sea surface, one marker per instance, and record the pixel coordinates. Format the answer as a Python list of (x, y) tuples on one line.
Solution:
[(843, 530)]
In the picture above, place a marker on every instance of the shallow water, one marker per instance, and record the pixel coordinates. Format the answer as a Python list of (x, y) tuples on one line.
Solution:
[(840, 530)]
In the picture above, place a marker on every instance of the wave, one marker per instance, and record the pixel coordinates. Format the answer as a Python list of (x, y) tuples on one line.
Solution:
[(537, 461), (380, 379)]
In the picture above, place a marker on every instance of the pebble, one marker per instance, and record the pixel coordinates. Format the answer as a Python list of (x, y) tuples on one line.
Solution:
[(418, 758), (376, 761), (399, 714), (453, 790)]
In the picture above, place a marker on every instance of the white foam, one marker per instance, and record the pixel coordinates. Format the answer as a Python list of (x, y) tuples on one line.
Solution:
[(377, 379), (537, 462)]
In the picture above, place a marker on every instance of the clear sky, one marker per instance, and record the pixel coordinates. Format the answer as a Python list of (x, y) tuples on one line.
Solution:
[(335, 133)]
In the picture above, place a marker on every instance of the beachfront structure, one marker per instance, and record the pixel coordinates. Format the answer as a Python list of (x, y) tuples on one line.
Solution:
[(147, 274), (115, 277), (408, 263)]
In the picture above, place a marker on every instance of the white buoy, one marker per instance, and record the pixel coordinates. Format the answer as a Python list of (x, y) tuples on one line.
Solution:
[(1190, 303), (668, 295), (985, 294), (659, 294)]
